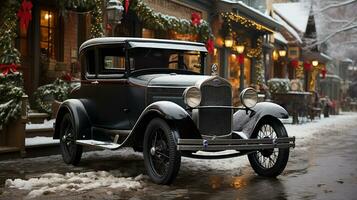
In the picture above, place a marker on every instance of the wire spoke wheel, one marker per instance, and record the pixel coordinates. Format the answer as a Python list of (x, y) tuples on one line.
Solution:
[(269, 162), (162, 160)]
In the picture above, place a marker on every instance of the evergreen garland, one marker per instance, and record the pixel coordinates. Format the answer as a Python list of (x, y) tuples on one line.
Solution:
[(97, 29), (11, 84), (158, 21)]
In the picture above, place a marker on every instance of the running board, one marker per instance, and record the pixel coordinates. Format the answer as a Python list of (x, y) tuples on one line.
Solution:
[(100, 144)]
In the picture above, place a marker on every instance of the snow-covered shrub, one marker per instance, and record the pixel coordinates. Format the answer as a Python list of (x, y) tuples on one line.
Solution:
[(279, 85)]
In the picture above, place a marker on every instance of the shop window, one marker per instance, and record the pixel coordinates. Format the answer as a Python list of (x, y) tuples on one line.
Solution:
[(47, 33)]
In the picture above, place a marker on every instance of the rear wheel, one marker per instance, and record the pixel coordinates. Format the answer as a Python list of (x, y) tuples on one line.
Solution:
[(71, 152), (269, 162), (161, 158)]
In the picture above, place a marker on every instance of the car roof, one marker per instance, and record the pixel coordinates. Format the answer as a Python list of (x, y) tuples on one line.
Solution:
[(146, 43)]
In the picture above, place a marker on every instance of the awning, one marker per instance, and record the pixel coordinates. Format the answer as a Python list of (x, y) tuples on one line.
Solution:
[(313, 55), (251, 13)]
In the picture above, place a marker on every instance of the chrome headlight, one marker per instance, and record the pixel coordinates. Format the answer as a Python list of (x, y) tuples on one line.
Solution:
[(192, 97), (249, 97)]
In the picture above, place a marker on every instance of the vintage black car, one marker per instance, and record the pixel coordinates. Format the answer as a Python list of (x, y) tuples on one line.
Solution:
[(152, 95)]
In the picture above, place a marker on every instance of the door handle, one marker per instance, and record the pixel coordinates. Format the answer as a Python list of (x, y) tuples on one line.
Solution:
[(94, 82)]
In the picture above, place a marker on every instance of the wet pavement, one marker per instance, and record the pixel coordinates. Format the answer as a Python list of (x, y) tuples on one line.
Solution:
[(323, 166)]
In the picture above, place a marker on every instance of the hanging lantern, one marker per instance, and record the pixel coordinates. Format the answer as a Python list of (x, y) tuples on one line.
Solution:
[(228, 41), (307, 66), (275, 55), (315, 63), (294, 63), (323, 72)]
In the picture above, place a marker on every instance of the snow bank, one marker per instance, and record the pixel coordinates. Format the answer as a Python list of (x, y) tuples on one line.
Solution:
[(54, 183), (47, 124)]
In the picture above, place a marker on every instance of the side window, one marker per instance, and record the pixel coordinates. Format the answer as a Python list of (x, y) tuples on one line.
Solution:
[(111, 61), (90, 61)]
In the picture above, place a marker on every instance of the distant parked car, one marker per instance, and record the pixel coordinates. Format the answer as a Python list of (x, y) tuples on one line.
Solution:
[(152, 95)]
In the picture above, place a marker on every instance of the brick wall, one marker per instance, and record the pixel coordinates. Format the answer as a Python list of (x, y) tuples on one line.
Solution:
[(70, 38)]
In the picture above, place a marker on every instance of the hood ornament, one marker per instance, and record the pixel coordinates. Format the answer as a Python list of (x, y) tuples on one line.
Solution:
[(214, 69)]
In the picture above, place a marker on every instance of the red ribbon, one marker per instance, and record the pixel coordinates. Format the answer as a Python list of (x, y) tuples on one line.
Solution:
[(6, 68), (210, 46), (24, 14), (307, 66), (196, 19), (323, 72), (240, 58), (126, 5)]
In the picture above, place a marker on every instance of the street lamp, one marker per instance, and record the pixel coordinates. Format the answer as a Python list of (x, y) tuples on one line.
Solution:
[(240, 48), (228, 41), (282, 53), (315, 63), (114, 12)]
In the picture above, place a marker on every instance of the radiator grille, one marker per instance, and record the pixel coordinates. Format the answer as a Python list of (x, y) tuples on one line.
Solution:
[(215, 121)]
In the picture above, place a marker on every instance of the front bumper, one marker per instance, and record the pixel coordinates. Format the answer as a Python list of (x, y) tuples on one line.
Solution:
[(234, 144)]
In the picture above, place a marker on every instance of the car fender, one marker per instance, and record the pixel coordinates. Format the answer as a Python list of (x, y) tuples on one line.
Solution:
[(176, 117), (246, 120), (79, 115)]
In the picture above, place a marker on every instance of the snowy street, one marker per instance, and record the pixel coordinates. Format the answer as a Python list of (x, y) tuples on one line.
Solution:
[(322, 166)]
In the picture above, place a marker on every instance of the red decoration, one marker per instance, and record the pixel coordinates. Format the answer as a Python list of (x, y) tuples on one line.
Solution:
[(196, 19), (294, 63), (8, 68), (240, 58), (24, 14), (67, 77), (210, 46), (323, 72), (307, 66), (109, 27), (126, 5)]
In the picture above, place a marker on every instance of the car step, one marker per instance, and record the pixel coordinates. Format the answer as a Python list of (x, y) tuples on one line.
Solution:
[(100, 144)]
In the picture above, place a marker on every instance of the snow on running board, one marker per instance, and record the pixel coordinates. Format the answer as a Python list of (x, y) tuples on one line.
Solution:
[(105, 145)]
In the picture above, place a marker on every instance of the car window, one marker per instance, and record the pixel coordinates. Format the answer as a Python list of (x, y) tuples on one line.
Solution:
[(146, 58), (111, 61)]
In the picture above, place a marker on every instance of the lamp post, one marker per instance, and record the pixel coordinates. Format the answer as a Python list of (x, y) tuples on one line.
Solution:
[(114, 13), (282, 54), (240, 50)]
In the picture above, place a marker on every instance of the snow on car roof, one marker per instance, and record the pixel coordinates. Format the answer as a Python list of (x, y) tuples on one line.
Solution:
[(146, 43), (296, 14)]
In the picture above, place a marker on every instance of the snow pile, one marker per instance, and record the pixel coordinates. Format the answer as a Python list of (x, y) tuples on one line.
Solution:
[(53, 182), (40, 140), (304, 131)]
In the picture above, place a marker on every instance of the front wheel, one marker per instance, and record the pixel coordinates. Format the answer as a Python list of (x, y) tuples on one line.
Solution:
[(71, 152), (269, 162), (161, 157)]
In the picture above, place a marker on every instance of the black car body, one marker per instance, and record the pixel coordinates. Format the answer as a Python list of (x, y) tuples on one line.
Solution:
[(152, 95)]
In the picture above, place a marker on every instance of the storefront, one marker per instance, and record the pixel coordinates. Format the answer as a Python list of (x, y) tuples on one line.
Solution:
[(241, 33)]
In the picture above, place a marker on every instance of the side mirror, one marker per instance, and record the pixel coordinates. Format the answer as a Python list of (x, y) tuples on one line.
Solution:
[(214, 69)]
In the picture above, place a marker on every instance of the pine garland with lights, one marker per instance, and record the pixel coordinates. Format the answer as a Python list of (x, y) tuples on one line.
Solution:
[(247, 23), (97, 29), (158, 21)]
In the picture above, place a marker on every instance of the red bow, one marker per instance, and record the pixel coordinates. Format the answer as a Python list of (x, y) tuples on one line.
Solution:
[(210, 46), (196, 18), (8, 68), (24, 14), (294, 63), (127, 2)]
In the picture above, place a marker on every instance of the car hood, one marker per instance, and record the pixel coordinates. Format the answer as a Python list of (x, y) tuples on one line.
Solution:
[(169, 80)]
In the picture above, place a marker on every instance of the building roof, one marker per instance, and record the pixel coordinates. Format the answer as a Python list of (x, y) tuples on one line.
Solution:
[(295, 14), (146, 43), (288, 28), (252, 13)]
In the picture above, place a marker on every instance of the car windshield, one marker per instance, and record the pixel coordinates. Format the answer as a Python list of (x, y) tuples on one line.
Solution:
[(152, 58)]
